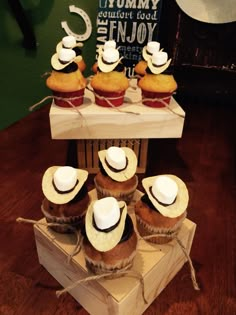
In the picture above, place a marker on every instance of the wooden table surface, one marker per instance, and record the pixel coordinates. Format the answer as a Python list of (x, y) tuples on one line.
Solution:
[(204, 158)]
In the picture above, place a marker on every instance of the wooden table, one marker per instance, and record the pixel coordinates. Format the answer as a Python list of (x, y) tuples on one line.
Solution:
[(204, 158)]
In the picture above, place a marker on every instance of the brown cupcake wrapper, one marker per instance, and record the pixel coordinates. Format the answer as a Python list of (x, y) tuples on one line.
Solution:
[(166, 234), (126, 196), (65, 224), (99, 267)]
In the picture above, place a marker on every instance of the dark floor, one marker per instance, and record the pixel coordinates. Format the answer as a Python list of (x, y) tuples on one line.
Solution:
[(204, 158)]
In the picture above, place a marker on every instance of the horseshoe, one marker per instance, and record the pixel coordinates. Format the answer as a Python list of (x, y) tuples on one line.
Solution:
[(87, 21)]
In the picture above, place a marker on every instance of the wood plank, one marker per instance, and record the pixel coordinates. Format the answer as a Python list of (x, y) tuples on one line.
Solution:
[(96, 122)]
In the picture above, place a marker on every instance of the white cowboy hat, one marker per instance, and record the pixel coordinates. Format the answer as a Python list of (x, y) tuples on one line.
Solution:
[(108, 59), (105, 223), (120, 163), (108, 44), (168, 194), (60, 184), (63, 58), (150, 49), (209, 11), (68, 42), (158, 62)]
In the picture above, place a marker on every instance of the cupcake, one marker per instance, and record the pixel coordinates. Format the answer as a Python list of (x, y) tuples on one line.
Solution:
[(147, 52), (109, 83), (157, 87), (162, 209), (66, 197), (116, 176), (66, 80), (110, 241)]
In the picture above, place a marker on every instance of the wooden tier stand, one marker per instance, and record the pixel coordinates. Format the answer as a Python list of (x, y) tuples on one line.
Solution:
[(157, 264), (131, 124)]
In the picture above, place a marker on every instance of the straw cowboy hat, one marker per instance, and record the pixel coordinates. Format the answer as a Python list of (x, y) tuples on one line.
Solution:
[(168, 194), (60, 184), (120, 163), (105, 223), (209, 11), (63, 58), (108, 59), (158, 62)]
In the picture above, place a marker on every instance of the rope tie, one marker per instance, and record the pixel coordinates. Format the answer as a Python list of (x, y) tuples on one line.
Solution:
[(77, 246), (174, 235), (107, 276)]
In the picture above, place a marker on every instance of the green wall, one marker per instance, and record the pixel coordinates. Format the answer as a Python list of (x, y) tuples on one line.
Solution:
[(22, 84)]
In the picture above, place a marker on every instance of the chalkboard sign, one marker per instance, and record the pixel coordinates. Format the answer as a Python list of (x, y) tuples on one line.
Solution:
[(131, 23)]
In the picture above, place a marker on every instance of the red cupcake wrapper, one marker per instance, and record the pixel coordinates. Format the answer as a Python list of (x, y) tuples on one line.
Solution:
[(155, 99), (109, 99), (69, 99)]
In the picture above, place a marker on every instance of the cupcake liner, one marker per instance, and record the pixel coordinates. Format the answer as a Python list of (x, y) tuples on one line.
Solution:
[(69, 99), (166, 234), (156, 99), (126, 196), (75, 222), (109, 99), (99, 267)]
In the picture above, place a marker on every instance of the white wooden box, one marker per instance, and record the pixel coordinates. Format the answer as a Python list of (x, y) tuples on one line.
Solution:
[(157, 264), (131, 120)]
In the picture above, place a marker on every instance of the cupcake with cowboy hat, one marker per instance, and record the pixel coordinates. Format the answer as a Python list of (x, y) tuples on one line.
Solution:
[(157, 84), (69, 42), (109, 83), (147, 52), (162, 209), (66, 80), (110, 241), (66, 197), (117, 176)]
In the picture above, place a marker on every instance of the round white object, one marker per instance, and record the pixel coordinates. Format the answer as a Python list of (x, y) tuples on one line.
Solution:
[(68, 41), (106, 212), (165, 189), (116, 158), (153, 47), (109, 44), (66, 55), (159, 58), (65, 178), (110, 55)]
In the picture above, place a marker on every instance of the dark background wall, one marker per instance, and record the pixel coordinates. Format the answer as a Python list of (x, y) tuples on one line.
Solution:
[(22, 83), (203, 55)]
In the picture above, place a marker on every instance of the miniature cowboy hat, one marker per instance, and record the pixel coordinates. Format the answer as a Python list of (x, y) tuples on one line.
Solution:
[(120, 163), (63, 58), (68, 42), (102, 214), (108, 59), (108, 44), (150, 49), (60, 184), (210, 11), (168, 194), (158, 62)]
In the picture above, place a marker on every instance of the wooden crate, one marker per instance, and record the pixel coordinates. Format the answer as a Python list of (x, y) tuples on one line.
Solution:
[(120, 296), (133, 120), (87, 152)]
